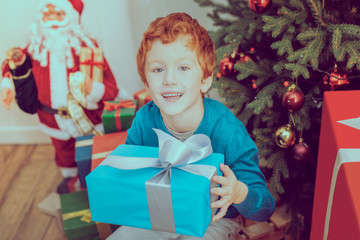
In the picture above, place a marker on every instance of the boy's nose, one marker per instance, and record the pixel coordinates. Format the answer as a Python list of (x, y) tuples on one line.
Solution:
[(170, 77)]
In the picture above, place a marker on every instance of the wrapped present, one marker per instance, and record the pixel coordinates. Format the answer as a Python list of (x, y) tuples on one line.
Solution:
[(83, 152), (118, 116), (336, 212), (143, 97), (104, 145), (77, 219), (165, 188), (92, 63)]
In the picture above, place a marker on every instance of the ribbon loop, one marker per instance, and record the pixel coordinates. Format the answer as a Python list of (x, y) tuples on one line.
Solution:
[(111, 106)]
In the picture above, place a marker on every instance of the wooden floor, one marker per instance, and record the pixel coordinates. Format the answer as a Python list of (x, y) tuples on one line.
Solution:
[(27, 175)]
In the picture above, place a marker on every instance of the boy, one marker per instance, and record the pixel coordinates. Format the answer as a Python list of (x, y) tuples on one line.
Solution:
[(175, 61)]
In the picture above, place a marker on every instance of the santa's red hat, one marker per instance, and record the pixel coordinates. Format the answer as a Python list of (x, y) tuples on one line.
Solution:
[(72, 8)]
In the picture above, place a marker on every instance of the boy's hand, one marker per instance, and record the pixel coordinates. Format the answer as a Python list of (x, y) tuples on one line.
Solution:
[(231, 191), (6, 95)]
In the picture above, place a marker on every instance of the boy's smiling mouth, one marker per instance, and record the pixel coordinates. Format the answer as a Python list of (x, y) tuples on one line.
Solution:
[(172, 96)]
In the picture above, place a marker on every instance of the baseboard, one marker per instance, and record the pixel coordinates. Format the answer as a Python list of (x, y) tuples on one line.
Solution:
[(23, 135)]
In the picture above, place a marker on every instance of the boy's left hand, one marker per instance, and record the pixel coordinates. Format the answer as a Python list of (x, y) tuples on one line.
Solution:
[(231, 191)]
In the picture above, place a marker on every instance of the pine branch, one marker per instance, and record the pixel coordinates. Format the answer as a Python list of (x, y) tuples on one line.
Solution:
[(297, 70), (310, 53), (350, 46), (279, 169), (338, 50), (348, 29), (245, 115), (275, 25), (263, 139), (279, 66), (297, 4), (315, 6), (245, 69), (354, 53), (283, 46), (264, 98), (235, 32)]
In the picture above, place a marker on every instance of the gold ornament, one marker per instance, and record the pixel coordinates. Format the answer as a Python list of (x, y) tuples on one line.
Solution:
[(285, 136)]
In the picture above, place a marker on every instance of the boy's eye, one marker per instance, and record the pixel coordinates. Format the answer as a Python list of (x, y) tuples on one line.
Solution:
[(183, 68), (157, 70)]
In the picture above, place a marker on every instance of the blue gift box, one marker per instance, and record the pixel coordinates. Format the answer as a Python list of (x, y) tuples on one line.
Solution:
[(83, 152), (118, 196)]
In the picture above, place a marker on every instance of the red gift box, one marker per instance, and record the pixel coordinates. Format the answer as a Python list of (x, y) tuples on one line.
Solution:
[(336, 209), (104, 145), (142, 98)]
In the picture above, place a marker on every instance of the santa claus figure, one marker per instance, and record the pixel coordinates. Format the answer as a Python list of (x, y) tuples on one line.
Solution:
[(39, 78)]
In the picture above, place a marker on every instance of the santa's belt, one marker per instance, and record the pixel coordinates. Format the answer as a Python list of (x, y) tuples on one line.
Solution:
[(62, 111)]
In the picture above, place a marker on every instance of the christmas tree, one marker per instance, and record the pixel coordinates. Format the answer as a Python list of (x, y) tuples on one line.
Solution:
[(275, 60)]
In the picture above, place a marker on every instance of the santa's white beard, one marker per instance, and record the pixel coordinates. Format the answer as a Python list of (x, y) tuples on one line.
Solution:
[(57, 43), (60, 40)]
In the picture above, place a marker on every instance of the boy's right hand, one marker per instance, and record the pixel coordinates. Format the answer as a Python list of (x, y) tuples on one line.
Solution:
[(16, 57), (7, 96)]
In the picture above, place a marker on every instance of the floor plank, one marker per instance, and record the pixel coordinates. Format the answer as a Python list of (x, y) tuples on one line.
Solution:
[(27, 175)]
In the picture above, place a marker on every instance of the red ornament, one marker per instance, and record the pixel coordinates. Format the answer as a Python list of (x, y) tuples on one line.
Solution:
[(302, 151), (293, 99), (286, 84), (218, 75), (259, 6), (335, 79), (226, 67)]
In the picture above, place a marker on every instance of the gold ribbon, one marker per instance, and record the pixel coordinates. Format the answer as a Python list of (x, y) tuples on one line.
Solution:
[(104, 229), (100, 155), (27, 74), (83, 143), (84, 214), (82, 122)]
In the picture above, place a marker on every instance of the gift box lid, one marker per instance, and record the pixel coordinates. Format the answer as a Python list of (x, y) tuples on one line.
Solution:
[(118, 115), (104, 145), (83, 147), (73, 207)]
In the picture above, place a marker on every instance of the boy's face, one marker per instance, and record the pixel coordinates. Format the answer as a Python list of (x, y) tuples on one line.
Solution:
[(174, 78)]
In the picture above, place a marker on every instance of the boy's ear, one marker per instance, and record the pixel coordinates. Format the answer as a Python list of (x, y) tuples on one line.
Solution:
[(206, 84)]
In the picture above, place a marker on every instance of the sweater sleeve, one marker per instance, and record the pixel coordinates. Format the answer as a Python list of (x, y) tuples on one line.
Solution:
[(243, 158), (134, 133)]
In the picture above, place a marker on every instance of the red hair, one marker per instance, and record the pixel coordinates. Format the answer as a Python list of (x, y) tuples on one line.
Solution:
[(167, 29)]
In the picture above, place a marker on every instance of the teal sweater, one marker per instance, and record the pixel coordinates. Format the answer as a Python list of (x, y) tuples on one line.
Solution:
[(229, 137)]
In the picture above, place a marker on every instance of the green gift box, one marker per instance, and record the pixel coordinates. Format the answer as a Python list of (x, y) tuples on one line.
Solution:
[(118, 115), (77, 219)]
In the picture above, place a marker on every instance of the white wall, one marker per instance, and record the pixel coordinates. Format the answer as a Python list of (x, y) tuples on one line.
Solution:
[(118, 26)]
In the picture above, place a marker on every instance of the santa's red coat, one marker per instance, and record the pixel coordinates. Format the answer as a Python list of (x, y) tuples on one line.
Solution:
[(63, 139), (43, 82)]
